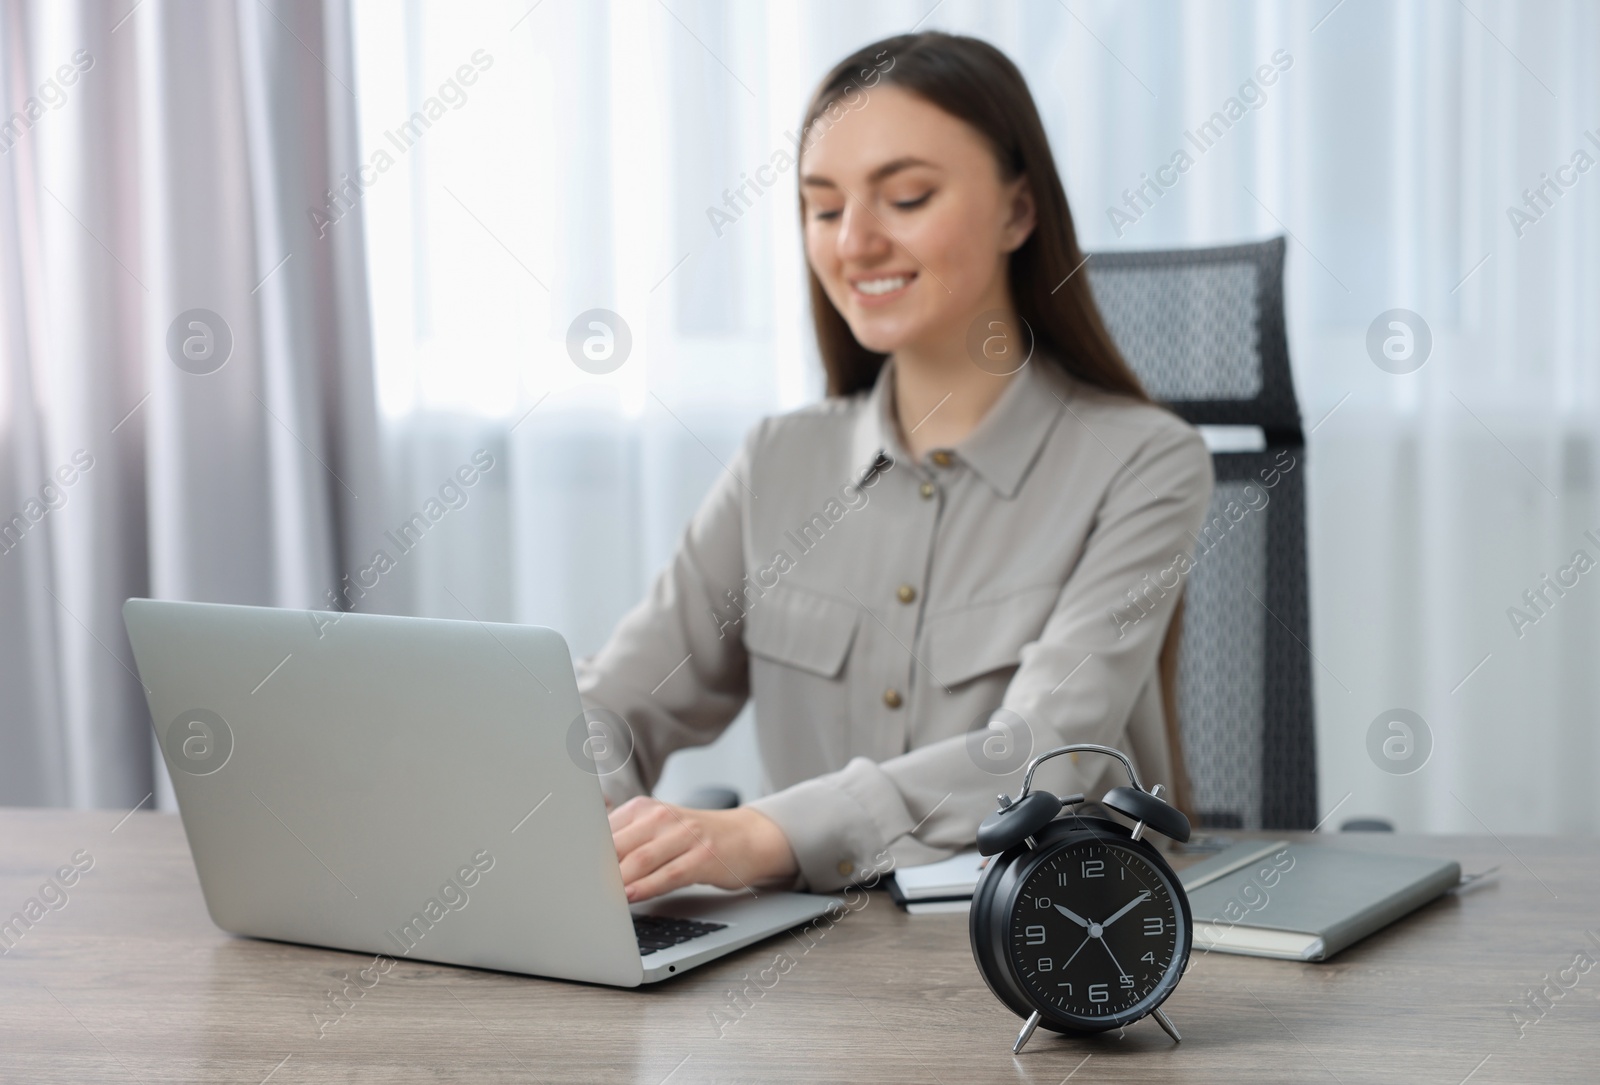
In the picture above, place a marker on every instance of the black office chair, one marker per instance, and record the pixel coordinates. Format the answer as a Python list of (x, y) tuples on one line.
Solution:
[(1204, 330)]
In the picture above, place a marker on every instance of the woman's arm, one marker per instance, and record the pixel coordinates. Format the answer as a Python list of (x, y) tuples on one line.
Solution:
[(672, 670), (676, 672), (840, 823)]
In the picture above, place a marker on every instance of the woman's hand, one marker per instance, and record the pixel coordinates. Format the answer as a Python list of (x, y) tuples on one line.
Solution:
[(663, 847)]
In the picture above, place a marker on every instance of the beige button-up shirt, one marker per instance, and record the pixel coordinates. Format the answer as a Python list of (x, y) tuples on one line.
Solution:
[(912, 632)]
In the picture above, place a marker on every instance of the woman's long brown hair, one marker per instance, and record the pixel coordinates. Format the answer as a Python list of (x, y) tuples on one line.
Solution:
[(974, 81)]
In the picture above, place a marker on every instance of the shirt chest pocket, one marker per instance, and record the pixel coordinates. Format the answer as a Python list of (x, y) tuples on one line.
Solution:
[(801, 629), (970, 642), (800, 643)]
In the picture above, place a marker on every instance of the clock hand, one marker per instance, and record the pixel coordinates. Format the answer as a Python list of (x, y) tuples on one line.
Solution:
[(1074, 916), (1120, 970), (1077, 951), (1125, 909)]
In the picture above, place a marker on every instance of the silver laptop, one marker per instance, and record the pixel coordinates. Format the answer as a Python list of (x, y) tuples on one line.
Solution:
[(411, 787)]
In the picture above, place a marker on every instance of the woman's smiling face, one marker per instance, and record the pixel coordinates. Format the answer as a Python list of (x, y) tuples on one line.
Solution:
[(908, 223)]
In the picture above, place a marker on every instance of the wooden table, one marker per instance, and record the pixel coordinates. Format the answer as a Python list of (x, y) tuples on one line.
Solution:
[(128, 980)]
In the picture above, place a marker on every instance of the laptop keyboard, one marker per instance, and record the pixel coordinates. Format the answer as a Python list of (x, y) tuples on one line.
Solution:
[(660, 931)]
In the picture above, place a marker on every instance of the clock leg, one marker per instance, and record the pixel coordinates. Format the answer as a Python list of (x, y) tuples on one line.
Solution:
[(1166, 1023), (1027, 1030)]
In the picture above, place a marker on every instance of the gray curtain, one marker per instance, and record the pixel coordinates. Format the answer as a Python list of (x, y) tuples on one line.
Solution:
[(159, 164)]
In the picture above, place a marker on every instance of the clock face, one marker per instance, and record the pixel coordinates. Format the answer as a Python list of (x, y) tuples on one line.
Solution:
[(1095, 931)]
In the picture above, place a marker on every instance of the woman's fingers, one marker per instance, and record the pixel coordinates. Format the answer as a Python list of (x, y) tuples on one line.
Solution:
[(650, 835), (686, 869), (636, 821), (655, 852), (662, 847), (645, 822), (621, 816)]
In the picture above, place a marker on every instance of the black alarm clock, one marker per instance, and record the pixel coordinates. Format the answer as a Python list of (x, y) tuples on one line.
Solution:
[(1078, 924)]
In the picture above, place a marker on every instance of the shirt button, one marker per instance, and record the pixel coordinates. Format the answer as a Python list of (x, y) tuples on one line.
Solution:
[(846, 866), (926, 490), (943, 459), (891, 697), (906, 593)]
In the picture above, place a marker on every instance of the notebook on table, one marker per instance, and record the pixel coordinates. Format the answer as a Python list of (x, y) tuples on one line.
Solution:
[(948, 885), (1261, 898), (1306, 902), (945, 886)]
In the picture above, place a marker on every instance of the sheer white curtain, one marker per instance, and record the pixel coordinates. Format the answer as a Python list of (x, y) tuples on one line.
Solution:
[(581, 167), (158, 160)]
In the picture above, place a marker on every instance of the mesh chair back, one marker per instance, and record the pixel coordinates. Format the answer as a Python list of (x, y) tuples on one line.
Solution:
[(1204, 330)]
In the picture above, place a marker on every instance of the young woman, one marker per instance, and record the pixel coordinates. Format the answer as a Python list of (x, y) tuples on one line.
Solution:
[(969, 529)]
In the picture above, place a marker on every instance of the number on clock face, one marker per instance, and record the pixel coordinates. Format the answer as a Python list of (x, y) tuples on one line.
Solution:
[(1096, 919)]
